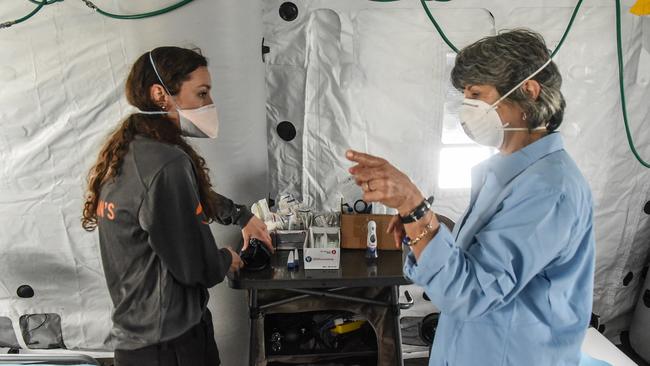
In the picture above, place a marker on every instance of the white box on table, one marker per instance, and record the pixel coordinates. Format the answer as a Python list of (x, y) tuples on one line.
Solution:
[(322, 249)]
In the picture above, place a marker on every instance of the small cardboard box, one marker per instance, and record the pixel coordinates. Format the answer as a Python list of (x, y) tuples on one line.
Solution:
[(319, 253), (354, 231)]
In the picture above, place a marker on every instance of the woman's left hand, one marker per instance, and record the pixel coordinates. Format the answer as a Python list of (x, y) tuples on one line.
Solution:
[(382, 182), (256, 228)]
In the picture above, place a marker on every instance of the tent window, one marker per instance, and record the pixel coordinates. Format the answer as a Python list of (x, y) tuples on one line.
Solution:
[(458, 153)]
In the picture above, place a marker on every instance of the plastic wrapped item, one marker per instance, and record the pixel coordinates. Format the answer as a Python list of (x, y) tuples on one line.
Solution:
[(305, 218), (276, 222), (7, 334), (327, 219), (42, 331), (287, 204), (261, 209)]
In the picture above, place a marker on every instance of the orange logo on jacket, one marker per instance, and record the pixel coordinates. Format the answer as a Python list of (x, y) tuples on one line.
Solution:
[(106, 209), (199, 211)]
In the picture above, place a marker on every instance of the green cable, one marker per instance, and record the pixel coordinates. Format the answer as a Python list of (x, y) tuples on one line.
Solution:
[(435, 24), (451, 45), (91, 5), (621, 75), (44, 2), (568, 27), (20, 20), (621, 71), (137, 16)]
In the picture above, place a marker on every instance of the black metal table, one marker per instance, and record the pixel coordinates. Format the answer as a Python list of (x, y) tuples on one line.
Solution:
[(355, 271)]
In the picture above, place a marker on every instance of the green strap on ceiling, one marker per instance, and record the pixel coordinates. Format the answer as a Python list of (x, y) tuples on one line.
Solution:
[(435, 24), (31, 14), (41, 3), (172, 7), (621, 70), (453, 47), (568, 27), (621, 81)]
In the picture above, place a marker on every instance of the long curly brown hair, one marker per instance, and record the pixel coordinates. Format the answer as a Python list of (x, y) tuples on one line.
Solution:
[(174, 65)]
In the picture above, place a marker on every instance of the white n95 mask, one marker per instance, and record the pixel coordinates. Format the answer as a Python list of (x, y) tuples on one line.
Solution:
[(482, 123), (200, 122)]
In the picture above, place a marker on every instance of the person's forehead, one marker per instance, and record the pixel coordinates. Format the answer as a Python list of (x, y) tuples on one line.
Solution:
[(199, 77), (480, 87)]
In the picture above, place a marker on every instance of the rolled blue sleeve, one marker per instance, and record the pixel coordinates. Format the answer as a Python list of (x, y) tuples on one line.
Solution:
[(515, 245)]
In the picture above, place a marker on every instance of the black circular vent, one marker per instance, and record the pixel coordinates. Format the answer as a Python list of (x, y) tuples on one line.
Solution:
[(25, 291), (286, 130), (288, 11)]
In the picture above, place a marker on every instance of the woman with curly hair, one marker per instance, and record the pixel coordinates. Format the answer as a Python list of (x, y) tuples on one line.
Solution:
[(150, 196)]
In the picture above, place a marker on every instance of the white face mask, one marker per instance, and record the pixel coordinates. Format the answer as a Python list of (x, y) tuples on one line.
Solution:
[(202, 122), (482, 123)]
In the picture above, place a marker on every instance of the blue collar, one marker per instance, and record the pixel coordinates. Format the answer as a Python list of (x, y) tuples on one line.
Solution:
[(507, 167)]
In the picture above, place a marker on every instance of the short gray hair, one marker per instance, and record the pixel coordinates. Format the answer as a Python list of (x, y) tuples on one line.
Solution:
[(506, 59)]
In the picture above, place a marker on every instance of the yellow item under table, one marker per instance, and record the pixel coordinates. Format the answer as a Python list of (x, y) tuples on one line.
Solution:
[(347, 327)]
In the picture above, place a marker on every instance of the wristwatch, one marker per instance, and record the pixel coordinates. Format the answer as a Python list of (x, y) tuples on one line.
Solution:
[(418, 212)]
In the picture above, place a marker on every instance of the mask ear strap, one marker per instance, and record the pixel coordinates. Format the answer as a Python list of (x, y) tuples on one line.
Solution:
[(152, 112), (523, 129), (522, 82), (153, 64)]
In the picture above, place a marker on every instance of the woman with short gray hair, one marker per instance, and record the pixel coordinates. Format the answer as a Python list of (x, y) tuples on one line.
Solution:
[(486, 63), (514, 280)]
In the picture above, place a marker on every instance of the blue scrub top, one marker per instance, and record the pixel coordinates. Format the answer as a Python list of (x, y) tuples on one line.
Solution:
[(514, 281)]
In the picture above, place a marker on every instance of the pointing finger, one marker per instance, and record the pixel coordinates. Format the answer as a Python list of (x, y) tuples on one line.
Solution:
[(364, 159)]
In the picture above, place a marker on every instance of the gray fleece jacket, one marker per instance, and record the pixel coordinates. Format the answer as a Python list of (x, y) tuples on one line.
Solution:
[(158, 252)]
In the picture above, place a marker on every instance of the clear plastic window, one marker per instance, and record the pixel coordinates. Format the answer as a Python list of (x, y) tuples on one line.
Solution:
[(459, 153)]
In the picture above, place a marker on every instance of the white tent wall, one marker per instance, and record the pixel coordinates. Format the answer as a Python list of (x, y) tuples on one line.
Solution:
[(375, 77), (62, 74), (347, 73)]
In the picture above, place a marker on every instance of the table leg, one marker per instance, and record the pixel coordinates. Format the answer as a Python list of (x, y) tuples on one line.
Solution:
[(254, 313), (396, 324)]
